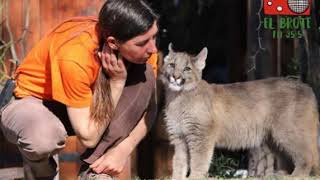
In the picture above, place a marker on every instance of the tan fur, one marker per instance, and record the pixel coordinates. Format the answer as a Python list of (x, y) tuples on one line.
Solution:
[(201, 116)]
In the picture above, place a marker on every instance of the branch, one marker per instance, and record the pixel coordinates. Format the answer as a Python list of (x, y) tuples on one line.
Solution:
[(259, 26), (259, 39), (12, 48), (1, 16), (22, 39)]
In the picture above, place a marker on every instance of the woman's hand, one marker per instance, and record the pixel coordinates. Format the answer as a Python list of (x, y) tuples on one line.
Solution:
[(113, 65), (112, 162)]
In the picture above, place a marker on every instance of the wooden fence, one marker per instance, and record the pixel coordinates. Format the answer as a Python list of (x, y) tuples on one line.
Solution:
[(29, 20)]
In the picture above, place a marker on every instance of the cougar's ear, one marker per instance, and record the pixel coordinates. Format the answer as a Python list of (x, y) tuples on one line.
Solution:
[(170, 48), (200, 59), (166, 58)]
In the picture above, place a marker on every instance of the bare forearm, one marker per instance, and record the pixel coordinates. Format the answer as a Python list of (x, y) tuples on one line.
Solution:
[(136, 135), (143, 126), (88, 131), (116, 91)]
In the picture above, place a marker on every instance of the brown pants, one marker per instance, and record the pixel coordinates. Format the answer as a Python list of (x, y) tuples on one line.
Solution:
[(37, 132)]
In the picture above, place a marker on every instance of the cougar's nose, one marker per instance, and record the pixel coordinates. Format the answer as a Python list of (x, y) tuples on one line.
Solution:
[(176, 76)]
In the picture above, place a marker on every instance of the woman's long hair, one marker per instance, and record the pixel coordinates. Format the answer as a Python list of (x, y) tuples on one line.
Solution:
[(122, 19)]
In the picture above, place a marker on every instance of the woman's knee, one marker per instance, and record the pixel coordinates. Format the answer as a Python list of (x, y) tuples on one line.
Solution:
[(35, 129), (42, 142)]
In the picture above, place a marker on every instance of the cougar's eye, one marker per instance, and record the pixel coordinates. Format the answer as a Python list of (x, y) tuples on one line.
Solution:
[(187, 69), (172, 65)]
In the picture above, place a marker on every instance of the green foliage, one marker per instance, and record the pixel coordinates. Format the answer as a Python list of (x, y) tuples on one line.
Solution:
[(293, 67), (4, 47), (223, 166)]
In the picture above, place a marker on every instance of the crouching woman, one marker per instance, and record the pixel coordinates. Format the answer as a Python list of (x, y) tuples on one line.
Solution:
[(91, 77)]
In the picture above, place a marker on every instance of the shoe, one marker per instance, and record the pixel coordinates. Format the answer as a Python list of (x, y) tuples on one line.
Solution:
[(94, 176), (86, 174)]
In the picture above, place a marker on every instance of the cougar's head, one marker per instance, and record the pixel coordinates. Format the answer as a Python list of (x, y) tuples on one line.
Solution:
[(182, 71)]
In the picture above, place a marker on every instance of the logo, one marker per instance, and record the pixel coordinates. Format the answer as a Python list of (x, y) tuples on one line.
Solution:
[(287, 7), (284, 26)]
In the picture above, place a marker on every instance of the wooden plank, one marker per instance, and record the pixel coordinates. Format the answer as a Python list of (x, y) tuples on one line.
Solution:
[(11, 173), (66, 9), (69, 170), (88, 8), (78, 8), (99, 4), (163, 153), (70, 145), (33, 35), (25, 21), (49, 11), (16, 22)]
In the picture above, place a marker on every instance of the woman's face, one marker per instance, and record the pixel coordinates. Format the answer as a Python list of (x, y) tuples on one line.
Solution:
[(138, 49)]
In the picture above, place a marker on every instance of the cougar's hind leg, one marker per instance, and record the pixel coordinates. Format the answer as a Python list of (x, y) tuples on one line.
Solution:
[(298, 147)]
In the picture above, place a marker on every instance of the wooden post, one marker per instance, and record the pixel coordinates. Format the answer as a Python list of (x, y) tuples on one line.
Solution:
[(163, 151)]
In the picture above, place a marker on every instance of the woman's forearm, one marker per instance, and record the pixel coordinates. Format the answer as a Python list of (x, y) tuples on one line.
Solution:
[(93, 128), (88, 131), (136, 135), (116, 91)]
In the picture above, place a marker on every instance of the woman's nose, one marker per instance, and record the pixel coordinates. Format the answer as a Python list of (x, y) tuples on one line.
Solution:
[(152, 48)]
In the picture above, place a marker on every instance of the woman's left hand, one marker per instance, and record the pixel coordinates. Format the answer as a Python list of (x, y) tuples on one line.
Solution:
[(112, 162), (113, 64)]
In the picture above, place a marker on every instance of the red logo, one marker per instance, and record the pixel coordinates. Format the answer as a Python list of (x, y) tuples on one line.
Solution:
[(287, 7)]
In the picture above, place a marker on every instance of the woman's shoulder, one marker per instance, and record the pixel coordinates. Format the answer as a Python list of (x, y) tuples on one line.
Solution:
[(75, 40), (153, 62), (75, 37), (74, 24)]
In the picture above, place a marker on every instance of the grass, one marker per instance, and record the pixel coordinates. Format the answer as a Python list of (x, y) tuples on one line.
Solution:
[(250, 178)]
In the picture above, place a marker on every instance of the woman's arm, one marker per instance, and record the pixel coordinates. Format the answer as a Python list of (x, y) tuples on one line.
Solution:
[(113, 161), (87, 130)]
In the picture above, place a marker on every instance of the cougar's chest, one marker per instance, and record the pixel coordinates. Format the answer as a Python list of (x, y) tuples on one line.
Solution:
[(180, 114)]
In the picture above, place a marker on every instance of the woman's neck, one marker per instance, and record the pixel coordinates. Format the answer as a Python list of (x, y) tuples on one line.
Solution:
[(127, 64)]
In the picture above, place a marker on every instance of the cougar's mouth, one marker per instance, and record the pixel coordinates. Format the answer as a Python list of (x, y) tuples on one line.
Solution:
[(175, 84)]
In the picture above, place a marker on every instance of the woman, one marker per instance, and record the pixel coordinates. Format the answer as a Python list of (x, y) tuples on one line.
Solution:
[(97, 71)]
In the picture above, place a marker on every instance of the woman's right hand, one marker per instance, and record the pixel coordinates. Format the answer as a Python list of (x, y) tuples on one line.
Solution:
[(113, 65)]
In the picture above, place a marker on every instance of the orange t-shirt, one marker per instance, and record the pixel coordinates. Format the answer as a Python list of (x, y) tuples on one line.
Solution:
[(63, 65)]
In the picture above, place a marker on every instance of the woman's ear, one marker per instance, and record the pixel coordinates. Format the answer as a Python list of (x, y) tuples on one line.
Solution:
[(112, 43)]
